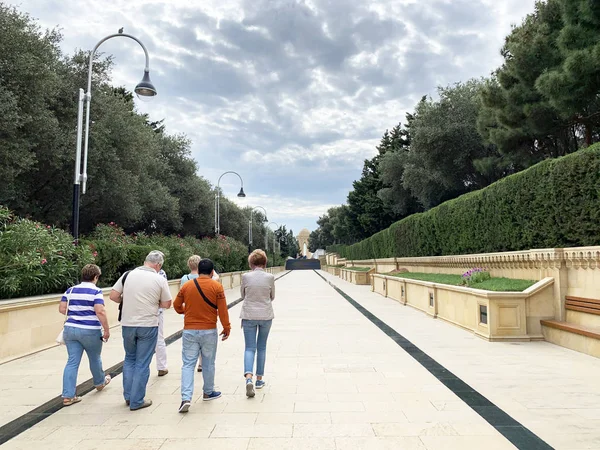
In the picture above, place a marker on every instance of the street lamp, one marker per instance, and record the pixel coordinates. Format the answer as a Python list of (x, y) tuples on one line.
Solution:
[(250, 224), (145, 88), (241, 194), (266, 246)]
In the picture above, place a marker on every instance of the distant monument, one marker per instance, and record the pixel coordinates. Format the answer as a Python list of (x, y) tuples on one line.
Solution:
[(303, 243), (301, 263)]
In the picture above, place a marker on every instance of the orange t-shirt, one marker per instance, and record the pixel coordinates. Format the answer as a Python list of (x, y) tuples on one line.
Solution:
[(199, 315)]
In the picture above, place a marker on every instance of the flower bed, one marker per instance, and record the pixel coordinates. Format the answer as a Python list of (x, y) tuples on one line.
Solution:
[(493, 315), (488, 284)]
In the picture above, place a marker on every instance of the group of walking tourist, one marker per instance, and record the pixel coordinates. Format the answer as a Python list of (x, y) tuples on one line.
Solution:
[(143, 296)]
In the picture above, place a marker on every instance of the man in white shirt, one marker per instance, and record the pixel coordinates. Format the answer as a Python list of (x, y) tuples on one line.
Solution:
[(142, 294)]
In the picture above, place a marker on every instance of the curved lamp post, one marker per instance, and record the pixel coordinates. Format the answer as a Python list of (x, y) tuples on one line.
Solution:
[(250, 223), (266, 244), (241, 194), (144, 88)]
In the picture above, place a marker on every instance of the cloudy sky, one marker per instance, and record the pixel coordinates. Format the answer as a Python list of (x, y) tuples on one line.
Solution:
[(291, 94)]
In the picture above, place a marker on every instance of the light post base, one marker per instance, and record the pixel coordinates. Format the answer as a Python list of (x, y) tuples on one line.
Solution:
[(75, 218)]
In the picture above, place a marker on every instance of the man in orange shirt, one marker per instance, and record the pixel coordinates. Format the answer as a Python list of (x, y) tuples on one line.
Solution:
[(201, 300)]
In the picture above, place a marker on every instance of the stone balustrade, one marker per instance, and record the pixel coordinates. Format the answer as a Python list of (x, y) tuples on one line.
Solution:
[(576, 271)]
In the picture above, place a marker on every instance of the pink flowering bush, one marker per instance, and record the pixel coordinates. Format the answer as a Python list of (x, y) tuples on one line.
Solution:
[(37, 259), (228, 254), (41, 259)]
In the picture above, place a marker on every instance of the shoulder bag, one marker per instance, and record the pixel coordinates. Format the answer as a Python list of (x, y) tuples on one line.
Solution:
[(208, 302)]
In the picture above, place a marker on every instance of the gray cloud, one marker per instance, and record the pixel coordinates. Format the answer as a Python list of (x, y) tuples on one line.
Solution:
[(293, 94)]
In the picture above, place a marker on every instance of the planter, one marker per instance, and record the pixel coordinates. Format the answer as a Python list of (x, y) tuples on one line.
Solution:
[(333, 270), (356, 276), (494, 316)]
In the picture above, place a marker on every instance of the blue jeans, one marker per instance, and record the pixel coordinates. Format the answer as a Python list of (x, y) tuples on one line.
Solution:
[(139, 343), (256, 333), (77, 340), (196, 343)]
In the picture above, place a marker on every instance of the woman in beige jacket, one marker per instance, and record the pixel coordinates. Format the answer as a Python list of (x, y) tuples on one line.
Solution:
[(258, 292)]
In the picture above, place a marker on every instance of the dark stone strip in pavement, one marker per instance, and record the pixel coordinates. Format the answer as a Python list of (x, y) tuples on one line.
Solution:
[(520, 436)]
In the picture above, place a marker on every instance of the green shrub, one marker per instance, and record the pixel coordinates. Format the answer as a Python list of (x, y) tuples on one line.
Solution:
[(36, 259), (551, 204)]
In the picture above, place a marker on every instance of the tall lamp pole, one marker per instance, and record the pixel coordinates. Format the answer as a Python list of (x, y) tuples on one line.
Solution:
[(144, 88), (250, 224), (241, 194), (277, 225)]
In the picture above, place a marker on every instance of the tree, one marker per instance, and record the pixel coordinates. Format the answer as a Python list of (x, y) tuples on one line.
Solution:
[(287, 241), (524, 125), (30, 92), (140, 176), (573, 86), (445, 146), (394, 194)]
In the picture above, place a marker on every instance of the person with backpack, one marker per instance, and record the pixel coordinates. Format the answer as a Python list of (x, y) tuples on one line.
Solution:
[(141, 292), (201, 300)]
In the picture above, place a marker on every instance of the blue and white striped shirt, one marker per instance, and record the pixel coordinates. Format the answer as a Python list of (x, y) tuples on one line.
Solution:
[(81, 312)]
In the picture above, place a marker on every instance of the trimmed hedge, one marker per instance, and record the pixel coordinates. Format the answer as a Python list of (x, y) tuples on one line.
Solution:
[(552, 204)]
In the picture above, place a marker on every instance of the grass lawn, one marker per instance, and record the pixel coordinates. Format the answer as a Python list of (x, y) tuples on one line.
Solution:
[(493, 284), (359, 269)]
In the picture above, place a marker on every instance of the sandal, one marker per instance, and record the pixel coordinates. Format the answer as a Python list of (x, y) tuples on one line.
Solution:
[(107, 379), (71, 401)]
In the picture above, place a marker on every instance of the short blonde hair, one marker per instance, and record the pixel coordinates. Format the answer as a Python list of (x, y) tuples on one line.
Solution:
[(193, 262), (257, 258)]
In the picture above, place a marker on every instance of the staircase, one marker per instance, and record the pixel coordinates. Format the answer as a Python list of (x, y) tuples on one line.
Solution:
[(302, 264)]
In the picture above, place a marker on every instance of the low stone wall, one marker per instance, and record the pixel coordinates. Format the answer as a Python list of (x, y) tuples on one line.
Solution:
[(576, 271), (31, 324), (333, 270), (494, 316), (355, 276)]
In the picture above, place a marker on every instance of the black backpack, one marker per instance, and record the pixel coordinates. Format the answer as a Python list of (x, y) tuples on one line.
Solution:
[(123, 298)]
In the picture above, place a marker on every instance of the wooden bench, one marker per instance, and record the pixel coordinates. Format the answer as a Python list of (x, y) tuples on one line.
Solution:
[(586, 305), (572, 328)]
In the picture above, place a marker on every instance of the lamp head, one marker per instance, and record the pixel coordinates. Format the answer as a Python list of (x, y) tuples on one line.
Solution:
[(145, 88), (241, 194)]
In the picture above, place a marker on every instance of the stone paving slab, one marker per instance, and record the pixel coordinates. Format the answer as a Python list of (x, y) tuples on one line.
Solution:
[(334, 381), (30, 381), (553, 391)]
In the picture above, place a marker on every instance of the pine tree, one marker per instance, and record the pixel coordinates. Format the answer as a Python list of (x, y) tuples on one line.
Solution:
[(573, 87)]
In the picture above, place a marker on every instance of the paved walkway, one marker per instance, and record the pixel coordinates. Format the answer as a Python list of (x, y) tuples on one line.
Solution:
[(334, 381)]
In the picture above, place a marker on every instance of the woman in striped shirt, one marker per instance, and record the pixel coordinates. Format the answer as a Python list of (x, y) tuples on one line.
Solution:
[(86, 328)]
